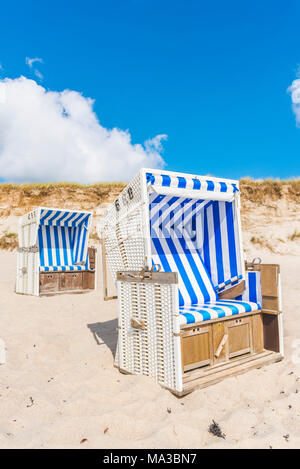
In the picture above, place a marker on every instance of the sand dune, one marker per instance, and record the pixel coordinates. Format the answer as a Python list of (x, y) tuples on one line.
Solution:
[(270, 210), (59, 385)]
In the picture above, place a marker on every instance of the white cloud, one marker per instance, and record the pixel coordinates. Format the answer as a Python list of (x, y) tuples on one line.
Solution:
[(294, 90), (38, 74), (30, 61), (56, 136)]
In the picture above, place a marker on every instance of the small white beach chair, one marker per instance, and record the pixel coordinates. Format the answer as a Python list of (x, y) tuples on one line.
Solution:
[(191, 311), (53, 254)]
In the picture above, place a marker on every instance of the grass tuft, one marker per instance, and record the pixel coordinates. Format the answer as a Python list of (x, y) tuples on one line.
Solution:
[(9, 241)]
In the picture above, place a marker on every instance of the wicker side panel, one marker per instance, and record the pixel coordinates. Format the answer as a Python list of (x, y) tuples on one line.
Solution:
[(155, 350), (122, 229)]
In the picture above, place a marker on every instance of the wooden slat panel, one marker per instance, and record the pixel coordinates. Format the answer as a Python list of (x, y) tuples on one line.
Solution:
[(271, 304), (269, 286), (271, 332), (269, 279), (238, 338), (234, 367), (88, 280), (257, 331), (218, 334)]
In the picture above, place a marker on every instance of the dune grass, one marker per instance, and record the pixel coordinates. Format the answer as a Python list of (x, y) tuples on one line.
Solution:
[(258, 191), (9, 241)]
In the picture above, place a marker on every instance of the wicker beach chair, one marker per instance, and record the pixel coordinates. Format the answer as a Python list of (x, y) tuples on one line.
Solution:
[(53, 255), (191, 310)]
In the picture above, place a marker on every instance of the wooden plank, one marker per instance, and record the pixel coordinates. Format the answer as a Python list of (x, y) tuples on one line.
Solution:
[(235, 369), (195, 374), (271, 304), (88, 280), (66, 292), (221, 345), (218, 333), (148, 277), (271, 332), (258, 335), (269, 286), (232, 292), (269, 279)]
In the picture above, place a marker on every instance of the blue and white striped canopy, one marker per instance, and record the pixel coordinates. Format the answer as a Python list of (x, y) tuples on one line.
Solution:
[(56, 217), (199, 184), (63, 240)]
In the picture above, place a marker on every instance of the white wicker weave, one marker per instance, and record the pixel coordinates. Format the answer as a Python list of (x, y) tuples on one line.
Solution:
[(154, 351)]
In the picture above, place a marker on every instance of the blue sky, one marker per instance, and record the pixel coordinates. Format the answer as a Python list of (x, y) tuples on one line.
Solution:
[(212, 76)]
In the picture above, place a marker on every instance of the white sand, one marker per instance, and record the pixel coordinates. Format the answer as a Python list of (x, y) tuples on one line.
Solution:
[(60, 355)]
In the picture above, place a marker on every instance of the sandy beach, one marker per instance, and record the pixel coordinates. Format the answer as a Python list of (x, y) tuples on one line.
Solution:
[(59, 388)]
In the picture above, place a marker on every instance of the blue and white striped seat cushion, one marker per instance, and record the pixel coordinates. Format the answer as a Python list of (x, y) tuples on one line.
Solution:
[(63, 268), (215, 310)]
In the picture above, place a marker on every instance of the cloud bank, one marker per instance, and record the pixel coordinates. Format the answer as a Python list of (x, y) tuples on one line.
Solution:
[(56, 136), (294, 90)]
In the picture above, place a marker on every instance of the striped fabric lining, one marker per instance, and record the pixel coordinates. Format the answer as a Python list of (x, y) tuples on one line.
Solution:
[(198, 184), (63, 241), (175, 253), (221, 253), (211, 227), (215, 310), (253, 288)]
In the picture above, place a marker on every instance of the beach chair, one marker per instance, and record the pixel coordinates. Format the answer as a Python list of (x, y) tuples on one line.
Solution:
[(191, 310), (53, 255)]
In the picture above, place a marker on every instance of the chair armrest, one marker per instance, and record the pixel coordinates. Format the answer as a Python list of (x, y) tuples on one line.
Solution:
[(148, 276), (233, 292)]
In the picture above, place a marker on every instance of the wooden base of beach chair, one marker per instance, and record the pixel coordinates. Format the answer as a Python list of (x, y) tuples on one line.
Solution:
[(66, 282), (216, 349), (52, 283), (198, 379)]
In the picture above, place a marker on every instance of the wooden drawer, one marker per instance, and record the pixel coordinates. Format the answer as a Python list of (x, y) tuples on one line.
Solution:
[(70, 281), (222, 341), (239, 332), (196, 345), (49, 282)]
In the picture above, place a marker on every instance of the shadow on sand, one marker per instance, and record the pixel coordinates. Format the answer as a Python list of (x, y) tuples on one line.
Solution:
[(105, 333)]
